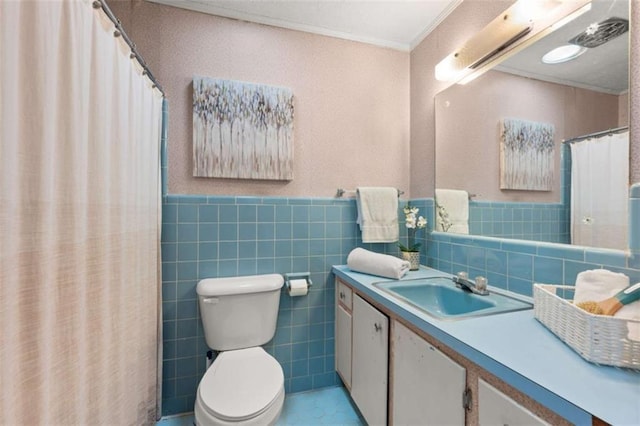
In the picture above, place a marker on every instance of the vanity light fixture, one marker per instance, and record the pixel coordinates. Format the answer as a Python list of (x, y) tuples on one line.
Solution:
[(525, 22), (495, 37), (563, 53)]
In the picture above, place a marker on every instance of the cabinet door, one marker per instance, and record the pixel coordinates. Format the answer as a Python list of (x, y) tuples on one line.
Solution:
[(343, 344), (495, 408), (427, 385), (369, 367)]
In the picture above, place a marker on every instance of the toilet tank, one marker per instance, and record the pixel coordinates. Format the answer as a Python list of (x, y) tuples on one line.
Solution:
[(239, 312)]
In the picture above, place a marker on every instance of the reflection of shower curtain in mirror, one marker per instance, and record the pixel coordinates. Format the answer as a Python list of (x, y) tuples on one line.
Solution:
[(600, 191)]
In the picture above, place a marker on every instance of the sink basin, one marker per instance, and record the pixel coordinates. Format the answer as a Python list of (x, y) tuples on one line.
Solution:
[(440, 298)]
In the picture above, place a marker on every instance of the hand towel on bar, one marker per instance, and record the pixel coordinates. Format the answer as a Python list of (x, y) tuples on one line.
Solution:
[(378, 214), (368, 262), (455, 204), (597, 285)]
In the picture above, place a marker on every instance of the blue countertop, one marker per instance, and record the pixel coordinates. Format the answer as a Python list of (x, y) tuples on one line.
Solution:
[(523, 353)]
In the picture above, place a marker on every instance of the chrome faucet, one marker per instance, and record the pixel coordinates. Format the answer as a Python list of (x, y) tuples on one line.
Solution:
[(461, 279)]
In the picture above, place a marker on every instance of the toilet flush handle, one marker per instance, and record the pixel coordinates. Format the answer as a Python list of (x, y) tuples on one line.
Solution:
[(211, 300)]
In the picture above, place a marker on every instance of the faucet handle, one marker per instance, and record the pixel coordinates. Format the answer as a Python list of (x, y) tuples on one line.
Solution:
[(462, 275), (481, 283)]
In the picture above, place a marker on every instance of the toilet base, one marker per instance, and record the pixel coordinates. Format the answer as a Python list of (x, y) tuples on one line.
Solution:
[(268, 417)]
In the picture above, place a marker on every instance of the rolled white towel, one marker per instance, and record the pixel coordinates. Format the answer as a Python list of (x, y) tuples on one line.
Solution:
[(598, 284), (368, 262)]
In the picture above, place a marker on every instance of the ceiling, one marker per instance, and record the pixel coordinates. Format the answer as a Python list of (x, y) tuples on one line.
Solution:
[(403, 24), (604, 68), (399, 24)]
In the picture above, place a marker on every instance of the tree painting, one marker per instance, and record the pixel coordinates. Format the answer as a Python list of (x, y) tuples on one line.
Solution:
[(242, 130), (526, 155)]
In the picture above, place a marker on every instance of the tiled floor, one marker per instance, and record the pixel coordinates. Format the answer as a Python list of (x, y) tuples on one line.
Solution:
[(328, 406)]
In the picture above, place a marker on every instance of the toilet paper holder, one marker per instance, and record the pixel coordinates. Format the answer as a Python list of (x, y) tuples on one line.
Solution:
[(297, 276)]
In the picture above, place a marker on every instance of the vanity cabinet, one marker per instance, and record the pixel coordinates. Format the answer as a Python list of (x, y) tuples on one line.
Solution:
[(343, 332), (362, 353), (399, 375), (369, 368), (427, 386), (496, 408)]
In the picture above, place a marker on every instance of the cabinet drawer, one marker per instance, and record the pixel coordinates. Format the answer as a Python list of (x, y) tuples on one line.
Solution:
[(344, 294)]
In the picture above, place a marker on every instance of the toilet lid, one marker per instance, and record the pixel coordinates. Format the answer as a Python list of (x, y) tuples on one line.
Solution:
[(241, 384)]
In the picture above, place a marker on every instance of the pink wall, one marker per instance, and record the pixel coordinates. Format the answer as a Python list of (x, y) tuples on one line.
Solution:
[(364, 115), (351, 99), (623, 110), (467, 131), (465, 21), (634, 92)]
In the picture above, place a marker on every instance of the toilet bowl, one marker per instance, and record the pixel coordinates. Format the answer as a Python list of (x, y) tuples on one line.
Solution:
[(242, 387), (245, 385)]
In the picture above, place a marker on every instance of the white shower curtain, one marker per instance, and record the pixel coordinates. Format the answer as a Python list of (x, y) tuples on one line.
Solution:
[(79, 140), (600, 191)]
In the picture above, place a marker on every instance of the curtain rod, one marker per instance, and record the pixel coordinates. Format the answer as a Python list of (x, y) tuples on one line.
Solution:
[(595, 134), (98, 4)]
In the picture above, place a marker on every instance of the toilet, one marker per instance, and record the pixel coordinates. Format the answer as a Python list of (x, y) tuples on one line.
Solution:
[(245, 385)]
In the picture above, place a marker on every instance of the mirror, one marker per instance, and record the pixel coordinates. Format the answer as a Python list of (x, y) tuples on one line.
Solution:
[(586, 95)]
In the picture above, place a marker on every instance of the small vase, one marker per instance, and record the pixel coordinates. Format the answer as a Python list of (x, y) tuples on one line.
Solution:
[(414, 259)]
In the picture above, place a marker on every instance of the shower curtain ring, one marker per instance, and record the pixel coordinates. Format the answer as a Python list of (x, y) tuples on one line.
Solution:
[(97, 4)]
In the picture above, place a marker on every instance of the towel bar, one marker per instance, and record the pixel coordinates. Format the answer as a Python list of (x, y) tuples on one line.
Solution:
[(340, 192)]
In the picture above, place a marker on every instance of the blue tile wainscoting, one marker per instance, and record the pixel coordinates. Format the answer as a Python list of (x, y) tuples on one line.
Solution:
[(528, 221), (548, 222), (214, 236), (516, 264)]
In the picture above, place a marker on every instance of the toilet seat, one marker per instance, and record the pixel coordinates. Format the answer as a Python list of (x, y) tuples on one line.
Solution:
[(241, 384)]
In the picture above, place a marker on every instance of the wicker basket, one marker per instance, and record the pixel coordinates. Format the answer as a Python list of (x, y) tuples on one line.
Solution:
[(597, 338)]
